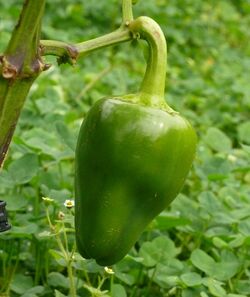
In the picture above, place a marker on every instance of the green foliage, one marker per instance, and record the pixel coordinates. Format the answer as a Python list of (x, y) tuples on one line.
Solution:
[(197, 247)]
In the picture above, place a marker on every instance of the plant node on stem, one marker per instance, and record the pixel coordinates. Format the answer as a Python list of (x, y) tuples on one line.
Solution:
[(68, 53), (19, 66)]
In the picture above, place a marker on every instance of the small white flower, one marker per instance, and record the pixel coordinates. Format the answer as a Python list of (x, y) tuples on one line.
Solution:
[(69, 203), (109, 270)]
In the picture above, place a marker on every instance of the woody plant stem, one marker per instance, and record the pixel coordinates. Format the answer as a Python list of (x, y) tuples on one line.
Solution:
[(19, 67)]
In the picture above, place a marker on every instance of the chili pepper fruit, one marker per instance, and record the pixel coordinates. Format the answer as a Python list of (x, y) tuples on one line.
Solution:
[(132, 157)]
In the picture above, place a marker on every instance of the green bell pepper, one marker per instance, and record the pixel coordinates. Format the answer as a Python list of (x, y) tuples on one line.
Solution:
[(132, 157)]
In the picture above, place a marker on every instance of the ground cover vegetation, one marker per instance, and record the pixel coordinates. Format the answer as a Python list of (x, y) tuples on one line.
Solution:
[(199, 246)]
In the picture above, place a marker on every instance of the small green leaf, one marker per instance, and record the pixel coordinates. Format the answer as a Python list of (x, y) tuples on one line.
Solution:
[(203, 294), (219, 243), (185, 207), (192, 292), (238, 241), (67, 137), (43, 141), (6, 180), (118, 291), (58, 280), (15, 202), (215, 288), (244, 132), (58, 256), (59, 294), (159, 250), (191, 279), (24, 231), (244, 227), (246, 148), (24, 169), (166, 221), (218, 231), (216, 168), (88, 265), (209, 202), (203, 261), (21, 283), (59, 195), (96, 292), (126, 278), (167, 274), (34, 291), (242, 287), (224, 218), (223, 270), (218, 140)]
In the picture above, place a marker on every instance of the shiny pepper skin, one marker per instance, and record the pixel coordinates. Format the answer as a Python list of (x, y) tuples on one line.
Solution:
[(131, 162), (132, 157)]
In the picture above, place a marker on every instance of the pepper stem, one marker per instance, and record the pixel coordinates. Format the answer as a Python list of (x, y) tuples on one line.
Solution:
[(127, 12), (152, 89)]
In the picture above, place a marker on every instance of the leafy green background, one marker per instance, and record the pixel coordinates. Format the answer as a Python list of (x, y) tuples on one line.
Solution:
[(200, 245)]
